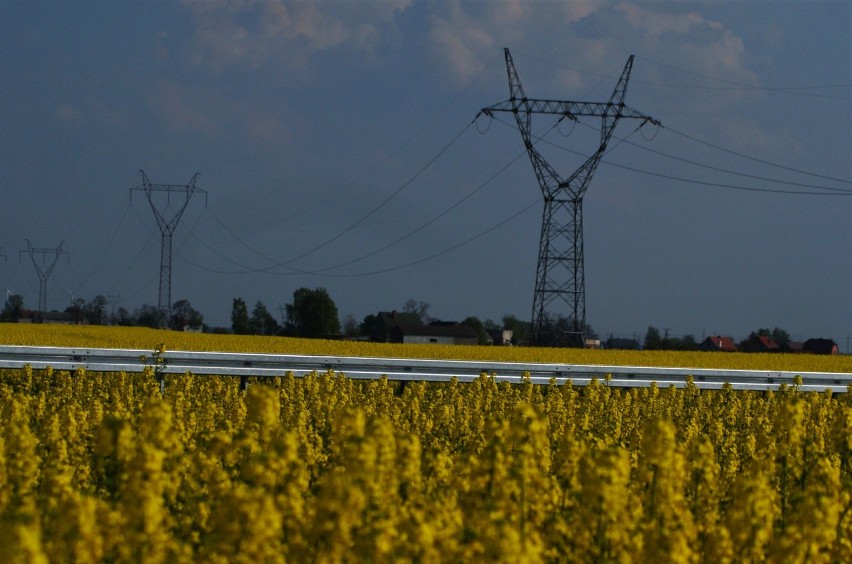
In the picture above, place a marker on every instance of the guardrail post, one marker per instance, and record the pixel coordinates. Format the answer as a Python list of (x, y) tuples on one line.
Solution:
[(244, 383), (161, 378)]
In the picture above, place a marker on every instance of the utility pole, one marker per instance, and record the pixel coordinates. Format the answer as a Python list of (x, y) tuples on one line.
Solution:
[(560, 275), (167, 223), (44, 269)]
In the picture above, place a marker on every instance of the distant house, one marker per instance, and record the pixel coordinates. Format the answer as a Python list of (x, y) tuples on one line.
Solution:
[(501, 336), (441, 333), (622, 344), (760, 344), (718, 343), (387, 322), (820, 346), (792, 346)]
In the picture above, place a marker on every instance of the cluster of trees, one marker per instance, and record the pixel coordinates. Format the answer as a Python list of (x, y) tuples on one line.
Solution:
[(97, 312), (655, 341), (312, 314), (182, 316), (520, 329)]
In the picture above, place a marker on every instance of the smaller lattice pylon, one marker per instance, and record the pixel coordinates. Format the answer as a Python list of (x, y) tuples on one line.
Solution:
[(167, 224), (44, 269)]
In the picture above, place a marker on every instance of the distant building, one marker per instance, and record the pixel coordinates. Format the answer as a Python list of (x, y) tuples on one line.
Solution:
[(792, 346), (389, 321), (760, 344), (501, 336), (718, 343), (442, 333), (820, 346)]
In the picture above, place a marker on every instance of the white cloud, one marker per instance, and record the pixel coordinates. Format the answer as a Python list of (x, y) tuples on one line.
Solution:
[(461, 41), (576, 10), (704, 46), (251, 33)]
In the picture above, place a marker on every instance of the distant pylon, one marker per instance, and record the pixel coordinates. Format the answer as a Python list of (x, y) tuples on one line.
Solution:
[(167, 228), (44, 269), (560, 274)]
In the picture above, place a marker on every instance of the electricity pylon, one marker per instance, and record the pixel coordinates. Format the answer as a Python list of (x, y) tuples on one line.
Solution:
[(167, 223), (560, 274), (44, 269)]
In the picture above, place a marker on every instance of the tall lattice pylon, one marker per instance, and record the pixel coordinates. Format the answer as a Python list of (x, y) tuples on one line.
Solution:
[(167, 223), (44, 268), (560, 275)]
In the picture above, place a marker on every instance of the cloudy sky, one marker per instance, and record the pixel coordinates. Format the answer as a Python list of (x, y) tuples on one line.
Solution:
[(337, 147)]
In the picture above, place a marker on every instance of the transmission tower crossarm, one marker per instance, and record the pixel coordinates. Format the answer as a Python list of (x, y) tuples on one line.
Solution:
[(569, 110)]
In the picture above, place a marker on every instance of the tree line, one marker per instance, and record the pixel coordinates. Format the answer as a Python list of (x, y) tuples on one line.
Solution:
[(313, 314)]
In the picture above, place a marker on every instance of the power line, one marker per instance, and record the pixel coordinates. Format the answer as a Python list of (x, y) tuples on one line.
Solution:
[(360, 258), (736, 173), (830, 191), (384, 202), (843, 191), (755, 159), (279, 264), (430, 222), (735, 85), (103, 253)]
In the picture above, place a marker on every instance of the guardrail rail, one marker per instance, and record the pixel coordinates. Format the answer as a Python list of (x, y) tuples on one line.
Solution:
[(247, 365)]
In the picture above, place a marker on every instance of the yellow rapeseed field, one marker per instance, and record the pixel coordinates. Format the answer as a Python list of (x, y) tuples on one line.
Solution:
[(102, 467), (106, 467), (148, 339)]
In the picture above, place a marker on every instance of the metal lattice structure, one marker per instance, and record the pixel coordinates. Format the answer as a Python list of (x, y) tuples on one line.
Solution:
[(560, 276), (167, 222), (43, 269)]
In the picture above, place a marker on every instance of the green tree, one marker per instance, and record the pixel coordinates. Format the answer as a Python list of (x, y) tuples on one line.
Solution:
[(95, 310), (483, 338), (419, 308), (184, 315), (369, 326), (778, 335), (13, 308), (122, 317), (240, 323), (151, 316), (688, 343), (653, 340), (312, 314), (262, 322)]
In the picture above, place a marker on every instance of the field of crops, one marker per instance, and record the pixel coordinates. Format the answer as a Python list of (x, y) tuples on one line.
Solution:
[(103, 467), (144, 338)]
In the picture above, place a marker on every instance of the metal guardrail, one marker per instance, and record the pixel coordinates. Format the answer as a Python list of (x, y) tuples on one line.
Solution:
[(247, 365)]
